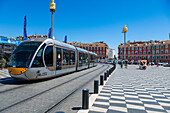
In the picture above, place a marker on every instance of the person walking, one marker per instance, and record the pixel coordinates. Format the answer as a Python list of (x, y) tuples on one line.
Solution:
[(126, 62), (121, 64)]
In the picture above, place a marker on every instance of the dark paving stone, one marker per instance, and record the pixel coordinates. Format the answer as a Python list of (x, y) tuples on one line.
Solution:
[(114, 111), (104, 95), (101, 106), (118, 104), (166, 107), (122, 95), (129, 98), (94, 112), (133, 103), (130, 110), (116, 99), (154, 109), (101, 100)]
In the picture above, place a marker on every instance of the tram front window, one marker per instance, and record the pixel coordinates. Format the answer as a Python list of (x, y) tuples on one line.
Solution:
[(23, 54)]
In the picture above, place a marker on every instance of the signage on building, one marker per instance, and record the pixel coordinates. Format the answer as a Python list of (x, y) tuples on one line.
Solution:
[(9, 41)]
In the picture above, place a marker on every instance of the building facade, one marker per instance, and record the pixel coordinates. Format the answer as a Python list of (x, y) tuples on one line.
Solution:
[(7, 45), (100, 48), (111, 53), (155, 51)]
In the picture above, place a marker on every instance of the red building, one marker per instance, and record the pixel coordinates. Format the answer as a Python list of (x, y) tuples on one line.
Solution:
[(100, 48), (156, 51)]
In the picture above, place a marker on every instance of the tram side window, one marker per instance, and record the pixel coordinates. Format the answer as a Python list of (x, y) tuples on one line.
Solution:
[(84, 58), (72, 57), (58, 59), (80, 59), (38, 61), (48, 57), (91, 59), (68, 57)]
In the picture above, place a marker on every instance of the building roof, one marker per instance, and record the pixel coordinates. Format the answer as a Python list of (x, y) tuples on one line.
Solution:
[(140, 43), (100, 44)]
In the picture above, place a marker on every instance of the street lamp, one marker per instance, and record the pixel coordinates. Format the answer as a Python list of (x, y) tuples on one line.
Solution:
[(52, 10), (124, 31)]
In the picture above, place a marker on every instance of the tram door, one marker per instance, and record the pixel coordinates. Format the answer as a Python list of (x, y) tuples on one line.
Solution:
[(58, 58)]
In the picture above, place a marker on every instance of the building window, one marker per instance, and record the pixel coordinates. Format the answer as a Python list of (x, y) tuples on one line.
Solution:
[(153, 57), (104, 48), (162, 47), (140, 48), (97, 48), (132, 57), (132, 48), (94, 48), (149, 52), (132, 53), (100, 53), (136, 48), (100, 48), (157, 47), (103, 53), (144, 57), (162, 57), (144, 48), (157, 57), (166, 57), (144, 52), (162, 52), (128, 57), (153, 52), (166, 51), (157, 51), (136, 57), (149, 47), (91, 48), (153, 47), (129, 52), (136, 53), (140, 57), (128, 48), (121, 53), (166, 46), (121, 48), (148, 57)]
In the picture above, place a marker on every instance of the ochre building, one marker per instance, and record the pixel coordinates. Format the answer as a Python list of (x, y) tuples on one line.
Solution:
[(156, 51)]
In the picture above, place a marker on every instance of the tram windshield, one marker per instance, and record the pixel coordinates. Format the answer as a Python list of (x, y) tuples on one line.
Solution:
[(23, 54)]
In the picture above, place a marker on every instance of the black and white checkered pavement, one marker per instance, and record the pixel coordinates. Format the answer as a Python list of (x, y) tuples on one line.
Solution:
[(135, 91), (4, 73)]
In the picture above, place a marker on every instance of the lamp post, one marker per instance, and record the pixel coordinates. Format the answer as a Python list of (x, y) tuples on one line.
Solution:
[(52, 10), (124, 31)]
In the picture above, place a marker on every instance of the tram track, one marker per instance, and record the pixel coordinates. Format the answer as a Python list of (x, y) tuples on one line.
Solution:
[(26, 84), (42, 92), (54, 106)]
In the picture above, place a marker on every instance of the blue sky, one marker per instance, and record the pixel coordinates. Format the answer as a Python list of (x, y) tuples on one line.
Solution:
[(88, 20)]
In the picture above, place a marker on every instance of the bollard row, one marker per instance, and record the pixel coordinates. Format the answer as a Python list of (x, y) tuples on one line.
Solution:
[(85, 92)]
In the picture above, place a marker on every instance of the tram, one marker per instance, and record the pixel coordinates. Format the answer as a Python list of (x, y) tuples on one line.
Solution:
[(42, 58)]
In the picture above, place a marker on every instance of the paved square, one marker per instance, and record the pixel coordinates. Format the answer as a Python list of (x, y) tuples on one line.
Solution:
[(135, 91)]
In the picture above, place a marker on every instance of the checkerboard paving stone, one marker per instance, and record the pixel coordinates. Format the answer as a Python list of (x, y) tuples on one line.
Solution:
[(135, 91)]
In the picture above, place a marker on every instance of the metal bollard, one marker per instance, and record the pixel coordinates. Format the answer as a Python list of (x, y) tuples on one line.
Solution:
[(101, 79), (105, 76), (85, 99), (96, 86), (107, 73)]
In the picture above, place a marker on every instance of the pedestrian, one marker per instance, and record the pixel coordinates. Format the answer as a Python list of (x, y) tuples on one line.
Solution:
[(126, 62), (121, 64), (157, 64)]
